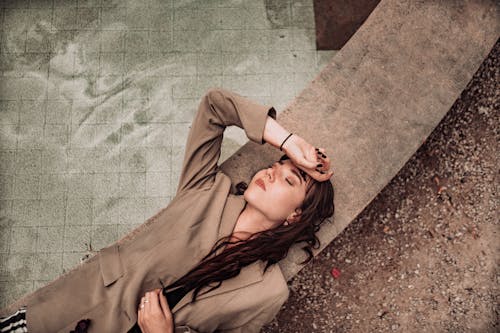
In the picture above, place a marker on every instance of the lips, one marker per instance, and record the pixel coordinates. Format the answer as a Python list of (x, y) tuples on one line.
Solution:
[(260, 182)]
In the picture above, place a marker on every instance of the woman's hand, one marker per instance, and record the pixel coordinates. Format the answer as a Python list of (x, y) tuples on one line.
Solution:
[(308, 158), (154, 313)]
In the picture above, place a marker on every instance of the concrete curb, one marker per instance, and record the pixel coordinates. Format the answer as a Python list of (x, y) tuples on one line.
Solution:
[(380, 97)]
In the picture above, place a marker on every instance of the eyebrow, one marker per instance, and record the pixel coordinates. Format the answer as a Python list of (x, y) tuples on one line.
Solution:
[(299, 176)]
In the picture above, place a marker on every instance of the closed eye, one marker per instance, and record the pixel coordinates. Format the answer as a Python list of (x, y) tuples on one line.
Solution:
[(288, 181)]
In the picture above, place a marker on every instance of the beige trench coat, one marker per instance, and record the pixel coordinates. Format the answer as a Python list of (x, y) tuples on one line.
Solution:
[(107, 288)]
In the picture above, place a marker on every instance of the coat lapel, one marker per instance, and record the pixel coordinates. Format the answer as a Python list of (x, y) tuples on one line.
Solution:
[(234, 206), (250, 274)]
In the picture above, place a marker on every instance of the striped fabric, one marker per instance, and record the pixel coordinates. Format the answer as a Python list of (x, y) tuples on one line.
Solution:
[(15, 323)]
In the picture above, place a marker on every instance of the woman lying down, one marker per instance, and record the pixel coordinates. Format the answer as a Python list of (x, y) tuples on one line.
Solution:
[(208, 261)]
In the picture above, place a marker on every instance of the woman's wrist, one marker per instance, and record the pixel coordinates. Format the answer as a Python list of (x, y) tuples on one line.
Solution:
[(275, 134), (281, 146)]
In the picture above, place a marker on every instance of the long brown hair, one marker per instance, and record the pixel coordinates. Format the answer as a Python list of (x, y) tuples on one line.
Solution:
[(270, 245)]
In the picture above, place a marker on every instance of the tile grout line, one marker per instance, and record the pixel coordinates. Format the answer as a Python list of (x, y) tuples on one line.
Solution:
[(39, 151)]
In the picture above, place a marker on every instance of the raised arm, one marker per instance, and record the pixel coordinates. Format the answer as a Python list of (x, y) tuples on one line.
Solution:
[(218, 109)]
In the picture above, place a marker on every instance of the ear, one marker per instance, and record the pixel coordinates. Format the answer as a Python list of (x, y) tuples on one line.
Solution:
[(295, 216)]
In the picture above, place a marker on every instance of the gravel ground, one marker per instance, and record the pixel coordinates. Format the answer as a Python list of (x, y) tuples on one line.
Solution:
[(424, 255)]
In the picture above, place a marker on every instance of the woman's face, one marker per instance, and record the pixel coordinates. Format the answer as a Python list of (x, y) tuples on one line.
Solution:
[(285, 190)]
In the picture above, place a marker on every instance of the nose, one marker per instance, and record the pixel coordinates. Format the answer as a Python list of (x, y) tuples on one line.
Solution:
[(270, 172)]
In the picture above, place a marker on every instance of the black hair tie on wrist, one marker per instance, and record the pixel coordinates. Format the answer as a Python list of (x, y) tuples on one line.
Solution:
[(285, 140)]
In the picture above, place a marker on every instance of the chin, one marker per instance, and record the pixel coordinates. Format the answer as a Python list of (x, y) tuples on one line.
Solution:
[(253, 195), (249, 194)]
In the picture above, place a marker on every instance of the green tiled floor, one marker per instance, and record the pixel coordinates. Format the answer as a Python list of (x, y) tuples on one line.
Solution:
[(96, 100)]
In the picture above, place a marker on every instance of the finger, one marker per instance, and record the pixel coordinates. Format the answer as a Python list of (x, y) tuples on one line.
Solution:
[(321, 155), (321, 152), (164, 306), (145, 302), (140, 317), (323, 166), (328, 175), (153, 301), (325, 163), (314, 173), (321, 175)]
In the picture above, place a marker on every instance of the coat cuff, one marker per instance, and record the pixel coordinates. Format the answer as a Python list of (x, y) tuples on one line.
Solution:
[(258, 119)]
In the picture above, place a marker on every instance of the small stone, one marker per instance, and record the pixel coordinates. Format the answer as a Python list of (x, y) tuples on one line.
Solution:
[(483, 110)]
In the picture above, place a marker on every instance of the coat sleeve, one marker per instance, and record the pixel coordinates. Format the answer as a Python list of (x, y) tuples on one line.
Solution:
[(218, 108)]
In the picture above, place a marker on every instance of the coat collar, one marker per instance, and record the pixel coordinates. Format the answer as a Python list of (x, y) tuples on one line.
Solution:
[(232, 210), (250, 274)]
